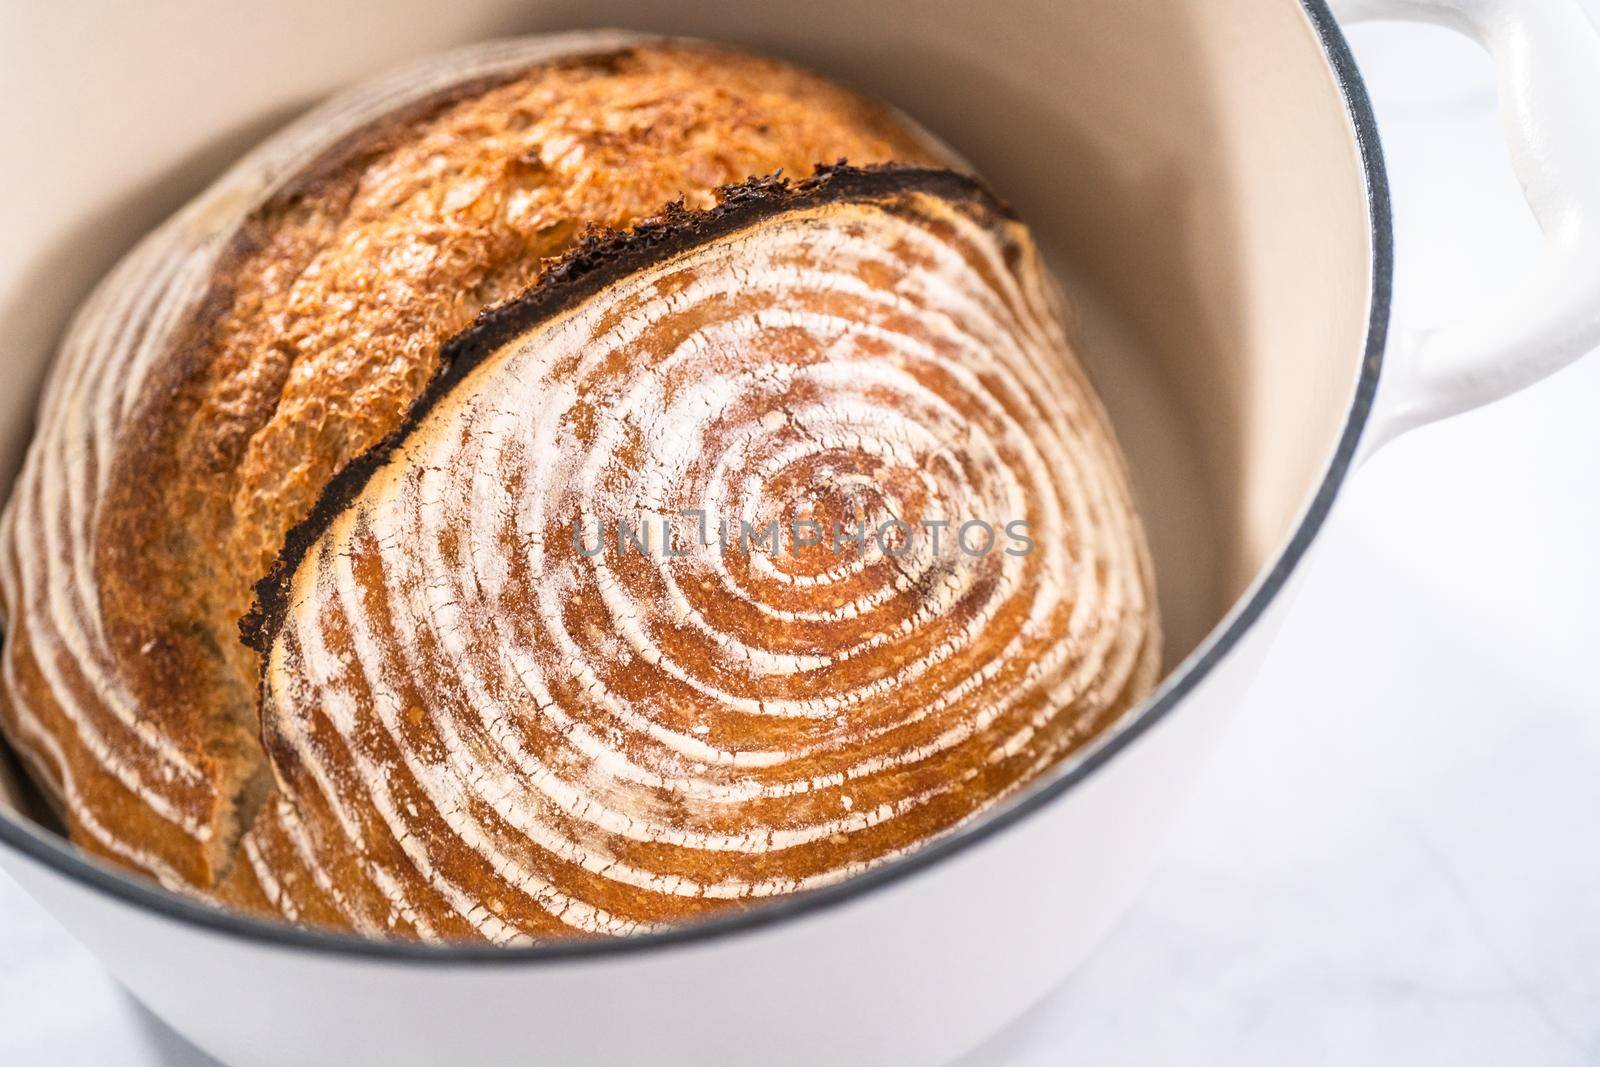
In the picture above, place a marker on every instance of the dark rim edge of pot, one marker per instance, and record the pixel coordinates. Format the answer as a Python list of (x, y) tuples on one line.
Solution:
[(59, 855)]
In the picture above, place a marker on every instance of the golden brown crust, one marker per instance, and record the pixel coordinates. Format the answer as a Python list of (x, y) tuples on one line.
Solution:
[(321, 323), (447, 723)]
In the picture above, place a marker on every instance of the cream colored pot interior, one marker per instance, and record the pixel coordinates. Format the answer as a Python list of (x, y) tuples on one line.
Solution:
[(1190, 167)]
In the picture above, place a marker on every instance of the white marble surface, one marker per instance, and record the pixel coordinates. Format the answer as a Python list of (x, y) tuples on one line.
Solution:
[(1395, 858)]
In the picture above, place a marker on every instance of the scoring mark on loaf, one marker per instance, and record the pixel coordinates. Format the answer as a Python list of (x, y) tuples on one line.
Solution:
[(595, 261)]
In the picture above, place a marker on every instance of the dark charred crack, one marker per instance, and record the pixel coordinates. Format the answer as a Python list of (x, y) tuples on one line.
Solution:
[(598, 260)]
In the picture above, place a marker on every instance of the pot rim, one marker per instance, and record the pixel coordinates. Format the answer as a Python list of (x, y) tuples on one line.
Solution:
[(56, 853)]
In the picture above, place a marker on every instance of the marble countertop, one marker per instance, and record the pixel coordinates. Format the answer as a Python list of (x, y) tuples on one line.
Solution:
[(1394, 858)]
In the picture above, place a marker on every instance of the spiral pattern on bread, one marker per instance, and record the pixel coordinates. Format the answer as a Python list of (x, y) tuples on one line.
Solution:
[(552, 661)]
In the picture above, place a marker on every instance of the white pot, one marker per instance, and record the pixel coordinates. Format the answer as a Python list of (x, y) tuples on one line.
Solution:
[(1206, 175)]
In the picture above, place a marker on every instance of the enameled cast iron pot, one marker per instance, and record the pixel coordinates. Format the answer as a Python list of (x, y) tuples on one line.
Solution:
[(1207, 178)]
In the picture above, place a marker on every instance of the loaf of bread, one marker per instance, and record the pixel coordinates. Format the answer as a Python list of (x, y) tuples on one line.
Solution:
[(576, 485)]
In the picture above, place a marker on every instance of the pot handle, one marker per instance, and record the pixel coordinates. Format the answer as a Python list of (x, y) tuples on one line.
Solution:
[(1547, 63)]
